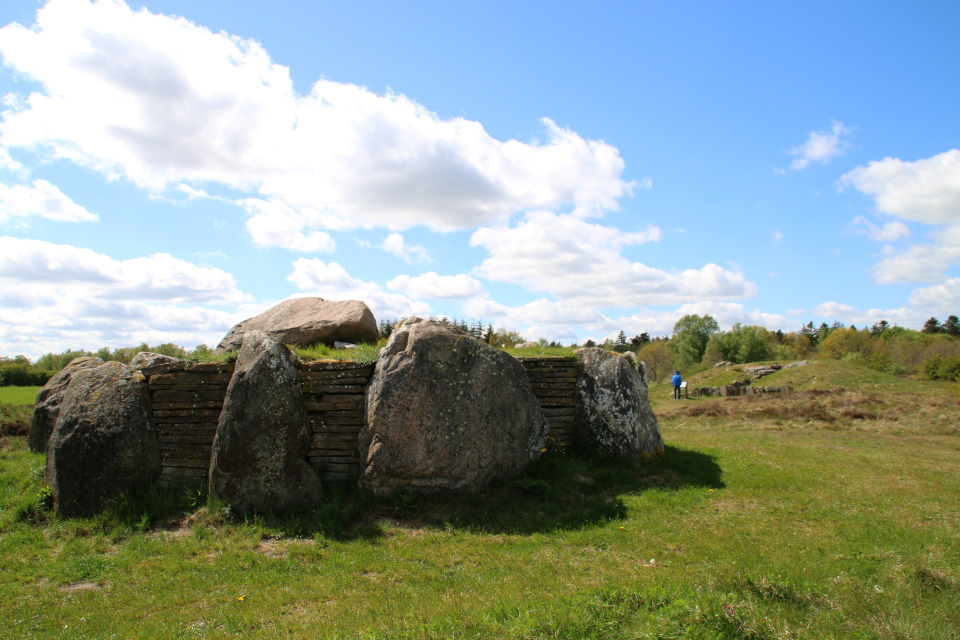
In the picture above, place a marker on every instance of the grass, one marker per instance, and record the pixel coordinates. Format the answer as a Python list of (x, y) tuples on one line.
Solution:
[(543, 352), (18, 395), (363, 353), (16, 410), (765, 519)]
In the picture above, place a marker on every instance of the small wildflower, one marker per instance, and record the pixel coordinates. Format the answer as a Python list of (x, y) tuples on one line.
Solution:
[(711, 490), (622, 528), (242, 598), (543, 450)]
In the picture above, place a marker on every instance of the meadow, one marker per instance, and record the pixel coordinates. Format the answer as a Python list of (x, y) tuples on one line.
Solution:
[(832, 512)]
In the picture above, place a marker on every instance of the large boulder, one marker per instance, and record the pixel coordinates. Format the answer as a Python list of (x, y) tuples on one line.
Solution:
[(150, 364), (259, 457), (49, 399), (104, 442), (305, 321), (615, 415), (446, 412)]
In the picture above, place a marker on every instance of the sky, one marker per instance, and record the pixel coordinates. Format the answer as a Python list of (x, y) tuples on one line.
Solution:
[(565, 170)]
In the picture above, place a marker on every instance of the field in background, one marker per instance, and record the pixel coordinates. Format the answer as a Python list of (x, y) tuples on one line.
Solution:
[(16, 410), (828, 513)]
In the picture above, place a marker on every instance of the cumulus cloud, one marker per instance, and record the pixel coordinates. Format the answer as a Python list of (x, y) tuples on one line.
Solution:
[(42, 199), (887, 232), (926, 191), (54, 297), (395, 244), (162, 101), (331, 281), (435, 286), (940, 298), (833, 310), (580, 263), (821, 146)]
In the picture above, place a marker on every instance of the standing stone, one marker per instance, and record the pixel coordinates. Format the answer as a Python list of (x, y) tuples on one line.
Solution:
[(49, 399), (616, 419), (446, 411), (259, 457), (306, 321), (104, 441)]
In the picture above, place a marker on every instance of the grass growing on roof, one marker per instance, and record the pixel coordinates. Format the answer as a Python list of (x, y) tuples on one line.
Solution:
[(364, 352), (543, 352)]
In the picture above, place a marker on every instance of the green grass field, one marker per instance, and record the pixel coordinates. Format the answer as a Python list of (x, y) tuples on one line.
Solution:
[(18, 395), (824, 514)]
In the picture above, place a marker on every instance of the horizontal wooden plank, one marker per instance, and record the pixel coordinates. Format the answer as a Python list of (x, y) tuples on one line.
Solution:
[(179, 406), (335, 459), (189, 388), (193, 463), (555, 393), (340, 420), (186, 415), (186, 378), (553, 385), (557, 402), (337, 377), (339, 389), (345, 446), (208, 434), (558, 411), (186, 426), (181, 472), (334, 365), (186, 446), (212, 367), (205, 394), (183, 453), (334, 437), (177, 439), (331, 406), (335, 428)]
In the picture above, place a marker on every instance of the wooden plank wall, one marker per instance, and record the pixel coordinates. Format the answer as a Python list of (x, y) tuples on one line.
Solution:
[(187, 404), (554, 382)]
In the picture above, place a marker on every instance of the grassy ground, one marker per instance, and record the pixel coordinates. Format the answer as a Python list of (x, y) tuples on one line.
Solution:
[(763, 520), (16, 410)]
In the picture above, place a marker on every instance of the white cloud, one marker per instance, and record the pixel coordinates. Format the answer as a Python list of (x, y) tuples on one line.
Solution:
[(834, 310), (925, 191), (777, 236), (581, 264), (888, 232), (821, 146), (42, 199), (395, 244), (331, 281), (164, 102), (54, 297), (940, 298), (433, 285), (793, 313)]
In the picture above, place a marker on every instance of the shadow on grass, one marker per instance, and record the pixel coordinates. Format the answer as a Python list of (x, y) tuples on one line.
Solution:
[(562, 491)]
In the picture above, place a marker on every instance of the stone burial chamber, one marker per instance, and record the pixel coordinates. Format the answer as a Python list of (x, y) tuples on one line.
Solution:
[(438, 411)]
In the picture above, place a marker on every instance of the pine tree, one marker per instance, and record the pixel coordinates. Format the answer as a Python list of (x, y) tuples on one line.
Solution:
[(932, 325), (951, 326)]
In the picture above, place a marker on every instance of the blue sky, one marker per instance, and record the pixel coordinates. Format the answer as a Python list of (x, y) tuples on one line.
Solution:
[(567, 171)]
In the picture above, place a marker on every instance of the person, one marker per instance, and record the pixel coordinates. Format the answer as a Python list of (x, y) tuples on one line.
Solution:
[(676, 385)]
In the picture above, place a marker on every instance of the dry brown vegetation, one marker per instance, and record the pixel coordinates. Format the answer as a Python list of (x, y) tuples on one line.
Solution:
[(836, 408)]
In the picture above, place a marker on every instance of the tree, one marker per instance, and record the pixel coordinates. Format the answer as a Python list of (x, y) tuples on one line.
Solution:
[(504, 339), (640, 341), (931, 326), (488, 334), (691, 334), (620, 345), (589, 344), (951, 326), (658, 358), (879, 328)]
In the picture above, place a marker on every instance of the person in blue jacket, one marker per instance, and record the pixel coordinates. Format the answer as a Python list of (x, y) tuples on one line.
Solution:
[(677, 381)]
